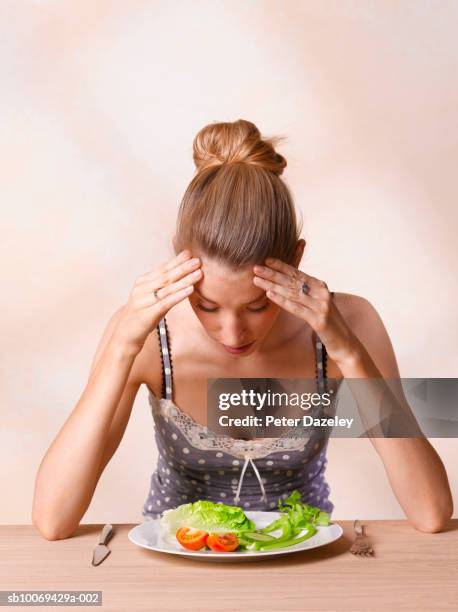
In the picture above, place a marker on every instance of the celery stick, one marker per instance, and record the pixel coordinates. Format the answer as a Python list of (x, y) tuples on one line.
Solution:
[(281, 543)]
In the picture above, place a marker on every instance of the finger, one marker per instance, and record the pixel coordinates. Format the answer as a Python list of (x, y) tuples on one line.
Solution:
[(290, 292), (182, 283), (165, 303), (168, 277), (281, 266), (293, 281), (294, 308), (281, 278), (169, 265)]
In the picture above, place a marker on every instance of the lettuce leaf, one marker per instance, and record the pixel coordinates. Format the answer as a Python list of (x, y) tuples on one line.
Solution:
[(301, 514), (208, 516)]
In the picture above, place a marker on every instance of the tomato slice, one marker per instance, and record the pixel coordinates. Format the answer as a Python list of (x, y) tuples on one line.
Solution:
[(193, 539), (222, 542)]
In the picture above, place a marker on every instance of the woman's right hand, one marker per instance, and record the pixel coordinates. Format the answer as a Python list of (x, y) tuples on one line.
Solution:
[(174, 281)]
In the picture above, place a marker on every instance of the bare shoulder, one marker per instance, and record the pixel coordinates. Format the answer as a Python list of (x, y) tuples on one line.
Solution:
[(358, 312), (351, 306), (366, 323), (360, 315), (180, 336)]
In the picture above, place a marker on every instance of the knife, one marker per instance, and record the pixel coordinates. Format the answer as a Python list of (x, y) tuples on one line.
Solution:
[(101, 551)]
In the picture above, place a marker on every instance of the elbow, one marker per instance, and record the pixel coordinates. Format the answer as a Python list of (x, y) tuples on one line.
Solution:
[(433, 525), (50, 530), (48, 533), (436, 521)]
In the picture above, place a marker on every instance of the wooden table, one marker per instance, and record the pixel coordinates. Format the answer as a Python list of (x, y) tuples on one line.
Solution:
[(411, 571)]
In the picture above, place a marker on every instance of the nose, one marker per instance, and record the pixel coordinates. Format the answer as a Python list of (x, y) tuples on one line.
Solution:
[(232, 340), (233, 332)]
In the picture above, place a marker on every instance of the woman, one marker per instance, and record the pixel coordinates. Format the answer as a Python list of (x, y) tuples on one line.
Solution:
[(232, 303)]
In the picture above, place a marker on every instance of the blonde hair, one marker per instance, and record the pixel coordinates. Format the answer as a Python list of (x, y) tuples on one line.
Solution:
[(237, 209)]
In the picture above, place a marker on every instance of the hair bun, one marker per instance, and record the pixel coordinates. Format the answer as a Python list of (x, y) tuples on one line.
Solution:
[(240, 141)]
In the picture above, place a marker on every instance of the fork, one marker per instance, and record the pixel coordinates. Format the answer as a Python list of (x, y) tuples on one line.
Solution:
[(361, 545)]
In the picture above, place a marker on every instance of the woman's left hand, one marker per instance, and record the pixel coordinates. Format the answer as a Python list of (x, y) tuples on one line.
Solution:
[(283, 285)]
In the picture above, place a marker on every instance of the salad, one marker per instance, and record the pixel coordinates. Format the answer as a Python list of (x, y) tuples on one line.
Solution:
[(223, 528)]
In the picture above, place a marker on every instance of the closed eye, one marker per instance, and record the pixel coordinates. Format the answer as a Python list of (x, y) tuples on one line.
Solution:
[(216, 309), (259, 309), (206, 309)]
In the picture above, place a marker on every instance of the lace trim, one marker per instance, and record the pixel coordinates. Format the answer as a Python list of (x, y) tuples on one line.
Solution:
[(203, 439)]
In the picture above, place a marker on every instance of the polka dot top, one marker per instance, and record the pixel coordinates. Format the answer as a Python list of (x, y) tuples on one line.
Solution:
[(195, 463)]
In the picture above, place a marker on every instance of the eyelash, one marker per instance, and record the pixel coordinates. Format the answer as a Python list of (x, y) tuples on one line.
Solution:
[(215, 309)]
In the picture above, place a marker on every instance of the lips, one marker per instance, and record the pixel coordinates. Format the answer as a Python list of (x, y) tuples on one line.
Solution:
[(238, 349)]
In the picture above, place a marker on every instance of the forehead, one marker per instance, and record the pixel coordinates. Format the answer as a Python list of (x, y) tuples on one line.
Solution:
[(221, 283), (216, 271)]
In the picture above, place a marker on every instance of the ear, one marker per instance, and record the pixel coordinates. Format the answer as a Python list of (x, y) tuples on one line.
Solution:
[(299, 252)]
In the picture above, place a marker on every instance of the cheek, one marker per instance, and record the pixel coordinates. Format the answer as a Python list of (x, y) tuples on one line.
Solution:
[(264, 321), (207, 319)]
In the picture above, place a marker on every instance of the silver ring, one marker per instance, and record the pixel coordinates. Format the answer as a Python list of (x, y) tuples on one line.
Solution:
[(305, 288)]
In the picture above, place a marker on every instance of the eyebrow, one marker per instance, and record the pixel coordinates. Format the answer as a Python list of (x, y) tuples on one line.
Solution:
[(213, 302)]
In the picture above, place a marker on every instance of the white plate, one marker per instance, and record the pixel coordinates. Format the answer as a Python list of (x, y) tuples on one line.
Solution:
[(149, 535)]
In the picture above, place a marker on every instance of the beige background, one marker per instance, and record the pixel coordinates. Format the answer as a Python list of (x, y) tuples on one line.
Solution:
[(100, 102)]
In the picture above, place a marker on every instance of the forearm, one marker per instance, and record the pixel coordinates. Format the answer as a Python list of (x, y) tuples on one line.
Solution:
[(69, 472), (418, 479), (415, 470)]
